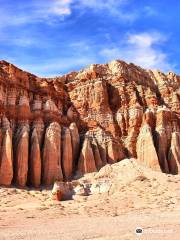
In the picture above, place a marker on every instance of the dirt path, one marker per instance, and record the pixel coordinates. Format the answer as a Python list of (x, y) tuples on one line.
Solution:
[(155, 225)]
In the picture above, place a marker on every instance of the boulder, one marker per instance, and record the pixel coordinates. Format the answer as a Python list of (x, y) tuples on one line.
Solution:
[(62, 191)]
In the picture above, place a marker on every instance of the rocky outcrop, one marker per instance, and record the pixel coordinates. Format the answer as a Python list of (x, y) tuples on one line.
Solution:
[(53, 128)]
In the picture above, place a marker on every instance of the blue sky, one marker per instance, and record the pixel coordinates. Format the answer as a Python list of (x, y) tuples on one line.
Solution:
[(53, 37)]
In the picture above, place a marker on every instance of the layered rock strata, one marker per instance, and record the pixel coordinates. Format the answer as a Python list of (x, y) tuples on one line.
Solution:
[(52, 129)]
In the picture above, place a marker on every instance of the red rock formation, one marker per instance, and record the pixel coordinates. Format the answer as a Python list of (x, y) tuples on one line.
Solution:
[(21, 155), (52, 154), (67, 158), (146, 152), (97, 156), (86, 162), (120, 109), (6, 163), (115, 152), (75, 140), (35, 160), (174, 154)]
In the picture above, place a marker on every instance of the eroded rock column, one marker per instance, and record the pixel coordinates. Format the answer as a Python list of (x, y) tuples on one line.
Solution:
[(146, 152), (163, 136), (52, 154), (35, 161), (114, 151), (174, 154), (21, 154), (67, 158), (75, 140), (86, 162), (6, 155), (97, 156)]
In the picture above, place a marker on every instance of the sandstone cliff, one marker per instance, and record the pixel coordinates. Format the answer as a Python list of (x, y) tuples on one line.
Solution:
[(56, 128)]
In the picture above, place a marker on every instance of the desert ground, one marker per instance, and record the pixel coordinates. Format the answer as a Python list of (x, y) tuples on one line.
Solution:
[(137, 197)]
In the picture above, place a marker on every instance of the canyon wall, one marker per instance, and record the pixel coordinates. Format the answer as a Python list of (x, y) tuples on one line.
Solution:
[(57, 128)]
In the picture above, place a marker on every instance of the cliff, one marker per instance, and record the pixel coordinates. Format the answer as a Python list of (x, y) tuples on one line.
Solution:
[(56, 128)]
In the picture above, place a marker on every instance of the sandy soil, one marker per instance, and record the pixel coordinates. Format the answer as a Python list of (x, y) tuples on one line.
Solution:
[(138, 197)]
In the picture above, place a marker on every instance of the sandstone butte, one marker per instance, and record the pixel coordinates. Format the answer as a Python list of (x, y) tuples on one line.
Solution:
[(57, 128)]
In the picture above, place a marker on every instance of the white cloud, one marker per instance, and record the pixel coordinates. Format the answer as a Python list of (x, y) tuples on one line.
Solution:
[(149, 11), (101, 4), (145, 40), (81, 46), (34, 11), (62, 7), (54, 7), (113, 7), (142, 49), (49, 10), (56, 67)]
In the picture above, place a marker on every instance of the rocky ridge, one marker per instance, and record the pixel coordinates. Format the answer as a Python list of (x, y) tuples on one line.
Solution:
[(57, 128)]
